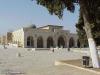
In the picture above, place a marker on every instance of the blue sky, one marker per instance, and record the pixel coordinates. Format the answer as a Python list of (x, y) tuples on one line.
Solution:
[(15, 14)]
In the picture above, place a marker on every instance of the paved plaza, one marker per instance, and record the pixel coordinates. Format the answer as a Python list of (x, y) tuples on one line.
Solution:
[(23, 61)]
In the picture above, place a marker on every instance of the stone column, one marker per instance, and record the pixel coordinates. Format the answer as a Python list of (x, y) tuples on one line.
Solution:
[(45, 43), (55, 42), (67, 43), (75, 43), (35, 42)]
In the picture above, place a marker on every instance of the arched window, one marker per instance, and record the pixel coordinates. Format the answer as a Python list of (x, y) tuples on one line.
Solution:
[(40, 42), (71, 42), (49, 42), (30, 41), (61, 42)]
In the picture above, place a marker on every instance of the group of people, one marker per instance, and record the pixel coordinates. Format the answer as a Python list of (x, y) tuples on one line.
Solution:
[(52, 49)]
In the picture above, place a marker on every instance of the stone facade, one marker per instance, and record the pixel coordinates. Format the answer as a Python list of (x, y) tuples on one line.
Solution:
[(44, 37)]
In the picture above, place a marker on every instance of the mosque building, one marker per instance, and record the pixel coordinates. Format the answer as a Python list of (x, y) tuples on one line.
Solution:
[(43, 37)]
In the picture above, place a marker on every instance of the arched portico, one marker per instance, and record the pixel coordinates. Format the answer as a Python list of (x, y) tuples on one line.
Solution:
[(61, 42), (40, 42), (50, 42), (71, 42), (30, 41)]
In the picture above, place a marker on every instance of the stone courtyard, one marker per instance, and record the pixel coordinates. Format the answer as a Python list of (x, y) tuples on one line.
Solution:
[(39, 62)]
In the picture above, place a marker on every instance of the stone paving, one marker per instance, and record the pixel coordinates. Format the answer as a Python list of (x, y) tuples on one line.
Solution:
[(77, 63), (22, 61)]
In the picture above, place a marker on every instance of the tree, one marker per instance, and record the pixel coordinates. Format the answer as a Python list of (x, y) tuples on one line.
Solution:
[(87, 8), (81, 32)]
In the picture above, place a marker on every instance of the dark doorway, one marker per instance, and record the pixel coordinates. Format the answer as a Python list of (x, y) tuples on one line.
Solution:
[(71, 42), (40, 42), (30, 41), (78, 43), (61, 42), (49, 42)]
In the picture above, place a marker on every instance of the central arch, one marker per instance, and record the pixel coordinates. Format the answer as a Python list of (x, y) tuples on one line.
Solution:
[(30, 41), (71, 42), (40, 42), (49, 42), (61, 42)]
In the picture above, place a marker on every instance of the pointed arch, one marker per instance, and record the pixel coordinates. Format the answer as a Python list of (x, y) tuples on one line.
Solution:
[(40, 42), (50, 42), (30, 41), (61, 42), (71, 42)]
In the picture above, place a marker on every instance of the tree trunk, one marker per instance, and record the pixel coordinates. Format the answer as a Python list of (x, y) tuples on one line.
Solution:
[(91, 42)]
